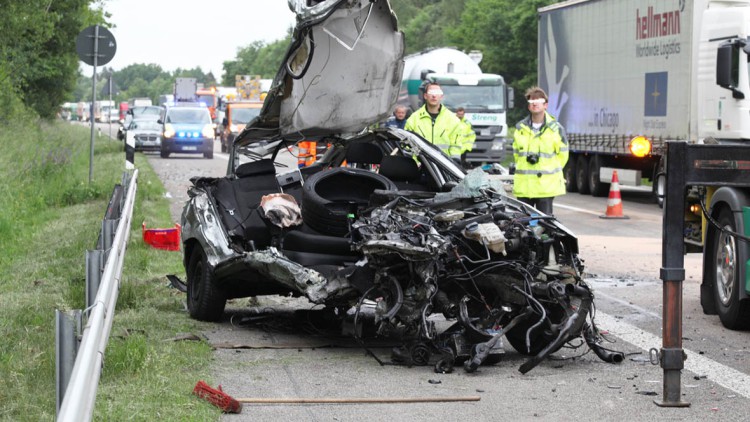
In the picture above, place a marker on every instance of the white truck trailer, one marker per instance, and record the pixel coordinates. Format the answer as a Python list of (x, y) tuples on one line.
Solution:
[(626, 76), (485, 97), (185, 89)]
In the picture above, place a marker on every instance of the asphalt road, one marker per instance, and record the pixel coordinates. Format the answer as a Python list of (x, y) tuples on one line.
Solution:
[(267, 350)]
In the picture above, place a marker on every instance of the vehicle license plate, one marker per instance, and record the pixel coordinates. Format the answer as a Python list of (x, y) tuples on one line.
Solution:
[(189, 148)]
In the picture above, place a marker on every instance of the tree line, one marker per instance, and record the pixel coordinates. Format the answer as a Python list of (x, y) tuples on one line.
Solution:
[(39, 66)]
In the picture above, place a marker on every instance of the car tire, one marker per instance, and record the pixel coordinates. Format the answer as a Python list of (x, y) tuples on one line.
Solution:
[(209, 154), (328, 197), (582, 175), (725, 277), (164, 154), (205, 301)]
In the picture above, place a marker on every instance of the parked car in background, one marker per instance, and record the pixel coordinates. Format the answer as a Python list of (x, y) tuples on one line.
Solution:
[(145, 134), (384, 230), (236, 116), (187, 128)]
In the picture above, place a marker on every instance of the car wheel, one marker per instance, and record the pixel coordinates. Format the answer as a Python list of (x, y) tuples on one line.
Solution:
[(725, 258), (164, 154), (582, 175), (209, 154), (569, 172), (329, 197), (597, 187), (204, 300)]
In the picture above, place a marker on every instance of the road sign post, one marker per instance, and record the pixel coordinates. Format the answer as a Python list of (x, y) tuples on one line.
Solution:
[(95, 46)]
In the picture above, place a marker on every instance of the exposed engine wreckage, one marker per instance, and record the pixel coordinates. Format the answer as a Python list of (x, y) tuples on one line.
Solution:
[(477, 257)]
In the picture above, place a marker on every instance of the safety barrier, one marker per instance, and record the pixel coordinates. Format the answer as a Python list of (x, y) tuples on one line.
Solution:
[(79, 365)]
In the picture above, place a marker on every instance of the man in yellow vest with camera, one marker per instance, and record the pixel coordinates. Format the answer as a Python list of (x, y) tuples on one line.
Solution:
[(540, 150)]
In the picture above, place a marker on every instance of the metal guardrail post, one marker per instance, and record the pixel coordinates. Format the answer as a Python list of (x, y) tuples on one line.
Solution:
[(109, 227), (94, 266), (67, 330)]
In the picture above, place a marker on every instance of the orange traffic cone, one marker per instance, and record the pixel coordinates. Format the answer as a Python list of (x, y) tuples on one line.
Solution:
[(614, 202)]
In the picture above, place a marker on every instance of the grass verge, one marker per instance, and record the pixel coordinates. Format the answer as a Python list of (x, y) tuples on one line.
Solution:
[(49, 216)]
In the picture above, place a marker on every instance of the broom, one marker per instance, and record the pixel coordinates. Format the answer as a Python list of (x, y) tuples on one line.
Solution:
[(228, 404)]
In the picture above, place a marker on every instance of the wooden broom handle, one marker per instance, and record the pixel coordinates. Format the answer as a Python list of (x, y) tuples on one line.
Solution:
[(358, 400)]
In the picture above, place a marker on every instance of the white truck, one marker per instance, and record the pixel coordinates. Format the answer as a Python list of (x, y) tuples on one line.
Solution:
[(185, 89), (104, 111), (485, 97), (626, 76)]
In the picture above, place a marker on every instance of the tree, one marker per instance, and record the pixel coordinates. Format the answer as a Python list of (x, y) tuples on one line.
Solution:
[(38, 59), (506, 33)]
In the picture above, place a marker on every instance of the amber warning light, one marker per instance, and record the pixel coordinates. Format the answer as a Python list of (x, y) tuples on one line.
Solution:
[(640, 146)]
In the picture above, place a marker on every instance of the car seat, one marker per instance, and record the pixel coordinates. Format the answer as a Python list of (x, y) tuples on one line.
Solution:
[(239, 200), (403, 172), (363, 155)]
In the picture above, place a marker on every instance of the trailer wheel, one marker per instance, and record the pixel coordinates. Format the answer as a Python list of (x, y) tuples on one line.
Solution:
[(582, 175), (569, 172), (597, 187), (724, 260)]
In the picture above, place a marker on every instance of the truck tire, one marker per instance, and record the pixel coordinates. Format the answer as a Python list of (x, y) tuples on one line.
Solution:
[(569, 172), (724, 259), (597, 187), (582, 175), (205, 301)]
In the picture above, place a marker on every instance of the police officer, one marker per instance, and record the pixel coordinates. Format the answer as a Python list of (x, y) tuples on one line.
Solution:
[(540, 150), (435, 123), (467, 135)]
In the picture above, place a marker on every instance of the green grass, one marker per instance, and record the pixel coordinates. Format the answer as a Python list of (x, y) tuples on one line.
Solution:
[(49, 216)]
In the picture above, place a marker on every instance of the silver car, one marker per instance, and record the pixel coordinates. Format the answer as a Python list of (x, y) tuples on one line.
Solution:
[(145, 134), (385, 231)]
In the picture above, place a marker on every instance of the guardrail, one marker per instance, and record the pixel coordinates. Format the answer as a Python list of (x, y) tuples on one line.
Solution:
[(78, 381)]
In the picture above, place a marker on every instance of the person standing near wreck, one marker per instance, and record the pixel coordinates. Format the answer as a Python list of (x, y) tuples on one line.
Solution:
[(398, 119), (435, 123), (540, 152)]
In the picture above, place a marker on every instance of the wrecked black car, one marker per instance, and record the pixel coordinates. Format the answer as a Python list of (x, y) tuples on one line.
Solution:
[(384, 229)]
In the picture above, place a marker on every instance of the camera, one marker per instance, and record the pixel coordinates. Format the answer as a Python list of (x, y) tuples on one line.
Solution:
[(532, 158)]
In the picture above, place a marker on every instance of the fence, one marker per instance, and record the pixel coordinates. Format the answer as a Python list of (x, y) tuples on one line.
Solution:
[(79, 364)]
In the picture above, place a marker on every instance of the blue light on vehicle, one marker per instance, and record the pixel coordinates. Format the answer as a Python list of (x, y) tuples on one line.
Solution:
[(192, 134)]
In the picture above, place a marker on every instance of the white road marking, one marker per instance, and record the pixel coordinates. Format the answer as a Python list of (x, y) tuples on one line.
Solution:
[(572, 208), (720, 374)]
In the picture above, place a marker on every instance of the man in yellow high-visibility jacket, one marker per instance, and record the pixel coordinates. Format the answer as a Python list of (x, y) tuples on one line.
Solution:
[(435, 123), (540, 150), (467, 135)]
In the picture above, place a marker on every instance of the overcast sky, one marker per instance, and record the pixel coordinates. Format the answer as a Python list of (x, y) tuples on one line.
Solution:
[(191, 33)]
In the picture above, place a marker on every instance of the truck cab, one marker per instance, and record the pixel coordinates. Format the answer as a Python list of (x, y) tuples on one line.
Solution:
[(485, 97), (237, 114)]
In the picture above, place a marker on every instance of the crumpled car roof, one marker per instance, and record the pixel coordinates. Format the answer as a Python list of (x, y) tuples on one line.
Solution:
[(341, 73)]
